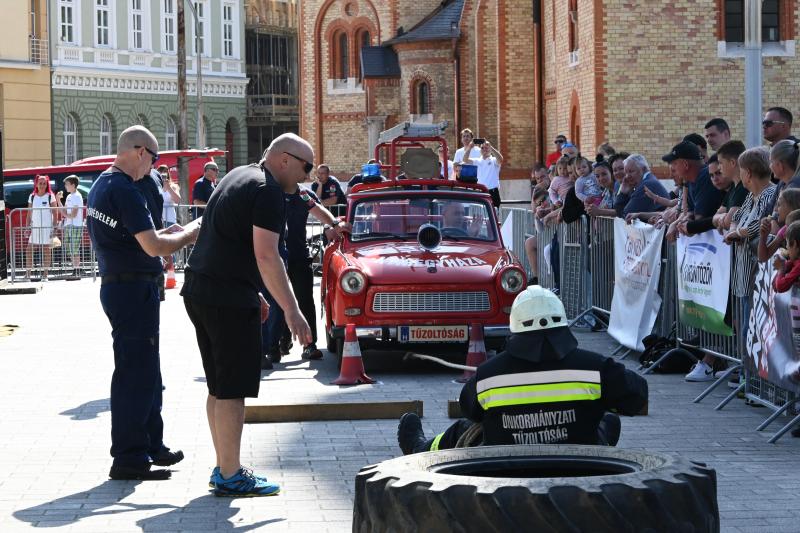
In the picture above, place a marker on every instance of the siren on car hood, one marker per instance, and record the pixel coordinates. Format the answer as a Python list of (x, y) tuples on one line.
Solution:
[(429, 236)]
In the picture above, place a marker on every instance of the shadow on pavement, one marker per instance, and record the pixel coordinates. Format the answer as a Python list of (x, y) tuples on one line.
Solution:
[(104, 499), (205, 509), (88, 410)]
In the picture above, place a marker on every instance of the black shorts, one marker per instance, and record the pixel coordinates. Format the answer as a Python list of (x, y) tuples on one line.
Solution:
[(495, 193), (229, 339)]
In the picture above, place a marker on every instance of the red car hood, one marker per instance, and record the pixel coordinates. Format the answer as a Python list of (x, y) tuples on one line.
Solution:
[(408, 263)]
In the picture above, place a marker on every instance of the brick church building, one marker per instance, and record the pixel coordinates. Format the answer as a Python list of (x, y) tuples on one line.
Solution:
[(518, 72)]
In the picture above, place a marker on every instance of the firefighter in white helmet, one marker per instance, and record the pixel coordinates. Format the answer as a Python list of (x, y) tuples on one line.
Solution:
[(542, 389)]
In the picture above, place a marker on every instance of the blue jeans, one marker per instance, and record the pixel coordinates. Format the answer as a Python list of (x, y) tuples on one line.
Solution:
[(136, 426)]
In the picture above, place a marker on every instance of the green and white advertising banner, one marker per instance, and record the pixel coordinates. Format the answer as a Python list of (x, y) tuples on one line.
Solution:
[(704, 272)]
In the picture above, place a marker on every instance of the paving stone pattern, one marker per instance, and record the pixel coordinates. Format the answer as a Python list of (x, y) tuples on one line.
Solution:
[(55, 373)]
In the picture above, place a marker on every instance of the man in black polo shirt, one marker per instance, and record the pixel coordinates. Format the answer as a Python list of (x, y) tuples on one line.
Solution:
[(327, 187), (236, 252), (204, 187), (129, 252)]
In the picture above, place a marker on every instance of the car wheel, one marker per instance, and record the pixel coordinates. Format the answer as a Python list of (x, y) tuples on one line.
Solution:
[(541, 488)]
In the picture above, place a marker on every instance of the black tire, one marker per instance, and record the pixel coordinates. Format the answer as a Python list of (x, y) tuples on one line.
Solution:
[(612, 490)]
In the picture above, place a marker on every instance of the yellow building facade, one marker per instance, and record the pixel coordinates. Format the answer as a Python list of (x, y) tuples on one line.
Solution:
[(25, 85)]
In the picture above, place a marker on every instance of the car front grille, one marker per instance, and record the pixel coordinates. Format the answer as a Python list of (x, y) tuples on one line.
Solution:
[(431, 302)]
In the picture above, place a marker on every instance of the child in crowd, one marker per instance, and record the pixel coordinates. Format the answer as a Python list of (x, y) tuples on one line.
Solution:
[(788, 265), (587, 189), (561, 183), (788, 202), (73, 224)]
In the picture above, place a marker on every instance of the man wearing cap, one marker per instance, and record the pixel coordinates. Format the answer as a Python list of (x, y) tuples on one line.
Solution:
[(203, 187), (542, 389), (704, 199)]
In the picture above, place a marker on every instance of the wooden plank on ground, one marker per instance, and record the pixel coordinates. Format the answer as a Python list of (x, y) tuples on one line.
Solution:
[(255, 414)]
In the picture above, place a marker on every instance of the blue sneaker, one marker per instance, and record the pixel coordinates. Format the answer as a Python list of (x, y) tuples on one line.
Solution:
[(244, 484), (216, 477)]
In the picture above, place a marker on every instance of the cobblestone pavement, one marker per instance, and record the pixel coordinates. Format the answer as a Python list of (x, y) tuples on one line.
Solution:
[(55, 374)]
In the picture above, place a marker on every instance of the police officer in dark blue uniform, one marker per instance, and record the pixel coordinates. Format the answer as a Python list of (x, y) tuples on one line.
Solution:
[(542, 389), (129, 252)]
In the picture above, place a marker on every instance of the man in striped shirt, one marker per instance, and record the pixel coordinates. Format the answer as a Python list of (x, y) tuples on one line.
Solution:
[(542, 389)]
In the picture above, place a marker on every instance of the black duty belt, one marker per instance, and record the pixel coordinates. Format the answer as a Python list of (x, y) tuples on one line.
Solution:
[(129, 277)]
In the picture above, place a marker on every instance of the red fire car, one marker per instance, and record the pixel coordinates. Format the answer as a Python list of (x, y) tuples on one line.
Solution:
[(425, 259)]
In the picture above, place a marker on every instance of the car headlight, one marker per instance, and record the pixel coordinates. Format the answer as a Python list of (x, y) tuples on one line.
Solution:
[(353, 282), (512, 281)]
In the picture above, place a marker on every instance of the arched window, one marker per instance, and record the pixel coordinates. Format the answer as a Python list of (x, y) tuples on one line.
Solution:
[(171, 137), (105, 135), (70, 139), (362, 39), (423, 98), (344, 57), (142, 121)]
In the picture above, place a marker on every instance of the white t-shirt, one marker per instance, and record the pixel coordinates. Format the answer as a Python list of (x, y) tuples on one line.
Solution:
[(168, 213), (475, 153), (488, 172), (74, 200), (450, 171)]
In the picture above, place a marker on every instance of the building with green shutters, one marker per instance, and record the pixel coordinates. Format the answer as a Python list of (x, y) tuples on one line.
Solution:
[(115, 64)]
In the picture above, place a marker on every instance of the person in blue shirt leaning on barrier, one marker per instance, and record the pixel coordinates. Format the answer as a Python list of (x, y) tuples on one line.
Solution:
[(129, 252), (542, 389)]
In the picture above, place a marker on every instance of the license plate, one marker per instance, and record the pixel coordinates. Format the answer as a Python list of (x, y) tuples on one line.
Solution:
[(432, 333)]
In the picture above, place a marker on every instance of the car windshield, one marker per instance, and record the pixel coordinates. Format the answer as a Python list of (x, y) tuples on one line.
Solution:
[(400, 218)]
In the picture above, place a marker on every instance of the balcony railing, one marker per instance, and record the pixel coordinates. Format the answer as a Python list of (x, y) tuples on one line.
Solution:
[(271, 105), (38, 51)]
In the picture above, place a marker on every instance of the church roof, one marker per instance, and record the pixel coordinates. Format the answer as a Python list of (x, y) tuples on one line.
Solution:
[(442, 23), (379, 62)]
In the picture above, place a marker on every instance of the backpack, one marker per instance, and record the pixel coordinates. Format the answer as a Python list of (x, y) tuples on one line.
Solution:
[(655, 346)]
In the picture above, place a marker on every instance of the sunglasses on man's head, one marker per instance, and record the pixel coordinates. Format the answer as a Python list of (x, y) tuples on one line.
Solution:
[(559, 141), (153, 154), (308, 167), (770, 123)]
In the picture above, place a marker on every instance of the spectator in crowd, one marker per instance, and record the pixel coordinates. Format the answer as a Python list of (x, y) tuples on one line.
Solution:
[(73, 224), (728, 158), (717, 133), (488, 165), (777, 125), (587, 189), (699, 141), (203, 187), (617, 162), (327, 187), (540, 176), (606, 150), (788, 266), (171, 193), (561, 183), (539, 200), (236, 253), (444, 162), (788, 202), (631, 197), (704, 199), (602, 171), (41, 219), (569, 150), (474, 151), (726, 186), (456, 170), (553, 157), (783, 161)]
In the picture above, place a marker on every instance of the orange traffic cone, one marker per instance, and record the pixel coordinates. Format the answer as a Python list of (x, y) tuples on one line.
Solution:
[(170, 281), (352, 372), (477, 351)]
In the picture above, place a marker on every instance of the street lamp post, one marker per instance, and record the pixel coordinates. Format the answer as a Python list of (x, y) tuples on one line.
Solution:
[(201, 127), (752, 72)]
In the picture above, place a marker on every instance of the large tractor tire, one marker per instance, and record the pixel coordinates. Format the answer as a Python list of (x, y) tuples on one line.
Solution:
[(546, 489)]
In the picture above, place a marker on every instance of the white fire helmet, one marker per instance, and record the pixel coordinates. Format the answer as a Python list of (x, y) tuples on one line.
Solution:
[(535, 309)]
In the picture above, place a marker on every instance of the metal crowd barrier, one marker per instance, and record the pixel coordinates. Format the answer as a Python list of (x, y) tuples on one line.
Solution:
[(579, 296), (42, 247), (522, 221)]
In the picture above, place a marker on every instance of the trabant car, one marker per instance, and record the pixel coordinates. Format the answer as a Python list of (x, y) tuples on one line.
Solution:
[(424, 261)]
